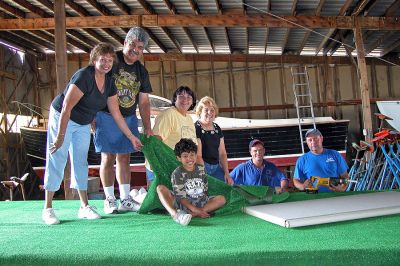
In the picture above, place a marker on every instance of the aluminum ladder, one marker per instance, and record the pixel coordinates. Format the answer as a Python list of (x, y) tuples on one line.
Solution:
[(302, 100)]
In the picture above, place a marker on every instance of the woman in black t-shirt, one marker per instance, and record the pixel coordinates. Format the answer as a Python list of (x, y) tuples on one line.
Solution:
[(211, 146), (90, 90)]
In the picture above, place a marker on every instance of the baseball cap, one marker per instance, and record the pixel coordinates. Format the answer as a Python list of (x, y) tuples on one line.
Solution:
[(255, 142), (313, 131)]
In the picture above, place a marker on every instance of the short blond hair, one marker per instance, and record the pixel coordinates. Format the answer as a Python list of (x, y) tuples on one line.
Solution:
[(206, 101)]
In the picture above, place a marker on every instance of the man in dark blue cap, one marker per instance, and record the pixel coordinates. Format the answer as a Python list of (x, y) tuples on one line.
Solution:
[(319, 162), (259, 172)]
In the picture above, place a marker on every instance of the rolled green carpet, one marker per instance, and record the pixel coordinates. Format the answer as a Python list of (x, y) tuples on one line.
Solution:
[(163, 162)]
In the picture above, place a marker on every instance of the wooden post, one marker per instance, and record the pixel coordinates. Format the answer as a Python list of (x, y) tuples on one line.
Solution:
[(389, 81), (61, 71), (329, 89), (231, 88), (247, 88), (265, 90), (162, 79), (282, 81), (212, 92), (195, 78), (365, 99), (4, 135)]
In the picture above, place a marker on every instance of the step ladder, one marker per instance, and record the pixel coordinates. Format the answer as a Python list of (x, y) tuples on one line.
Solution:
[(302, 100)]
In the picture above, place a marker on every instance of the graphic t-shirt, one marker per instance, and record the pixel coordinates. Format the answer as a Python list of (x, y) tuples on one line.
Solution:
[(130, 80), (192, 186)]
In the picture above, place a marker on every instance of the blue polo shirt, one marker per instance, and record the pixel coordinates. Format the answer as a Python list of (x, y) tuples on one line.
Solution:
[(248, 174), (328, 164)]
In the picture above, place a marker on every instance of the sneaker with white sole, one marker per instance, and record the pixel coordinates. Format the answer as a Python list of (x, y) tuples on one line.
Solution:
[(129, 204), (110, 205), (88, 212), (49, 217), (183, 218)]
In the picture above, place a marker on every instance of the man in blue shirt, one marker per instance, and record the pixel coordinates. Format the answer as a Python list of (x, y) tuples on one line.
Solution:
[(259, 172), (319, 162)]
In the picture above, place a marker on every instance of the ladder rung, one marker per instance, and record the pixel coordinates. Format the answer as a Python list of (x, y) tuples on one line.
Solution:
[(300, 73), (303, 95), (301, 84), (304, 106)]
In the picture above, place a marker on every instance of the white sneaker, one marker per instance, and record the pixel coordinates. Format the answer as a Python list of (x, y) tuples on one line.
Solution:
[(110, 205), (88, 212), (183, 218), (49, 217), (134, 192), (129, 204)]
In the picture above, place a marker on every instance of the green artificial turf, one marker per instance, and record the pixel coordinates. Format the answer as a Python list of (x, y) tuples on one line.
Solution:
[(155, 239), (163, 162)]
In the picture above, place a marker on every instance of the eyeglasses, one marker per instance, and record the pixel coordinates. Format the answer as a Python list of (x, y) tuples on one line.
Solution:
[(133, 45), (184, 97)]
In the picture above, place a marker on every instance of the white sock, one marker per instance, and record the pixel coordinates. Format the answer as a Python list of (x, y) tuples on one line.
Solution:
[(109, 191), (124, 190)]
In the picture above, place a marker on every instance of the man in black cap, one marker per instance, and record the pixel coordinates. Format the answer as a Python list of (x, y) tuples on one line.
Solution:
[(259, 172), (319, 162)]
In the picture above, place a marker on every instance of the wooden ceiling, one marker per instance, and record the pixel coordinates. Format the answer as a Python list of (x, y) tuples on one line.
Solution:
[(254, 27)]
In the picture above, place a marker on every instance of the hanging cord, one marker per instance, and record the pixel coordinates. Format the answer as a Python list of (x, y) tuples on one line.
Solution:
[(311, 30)]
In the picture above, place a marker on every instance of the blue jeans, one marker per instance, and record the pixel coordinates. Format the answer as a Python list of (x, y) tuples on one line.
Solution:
[(150, 175), (76, 141), (215, 170)]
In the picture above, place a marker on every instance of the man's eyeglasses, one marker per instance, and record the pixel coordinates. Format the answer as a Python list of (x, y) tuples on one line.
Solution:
[(133, 45)]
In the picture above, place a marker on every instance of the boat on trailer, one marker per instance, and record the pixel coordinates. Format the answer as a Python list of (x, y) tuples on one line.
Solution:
[(281, 138)]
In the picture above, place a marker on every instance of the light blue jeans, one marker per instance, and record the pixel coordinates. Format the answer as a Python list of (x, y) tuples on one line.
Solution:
[(215, 170), (76, 141)]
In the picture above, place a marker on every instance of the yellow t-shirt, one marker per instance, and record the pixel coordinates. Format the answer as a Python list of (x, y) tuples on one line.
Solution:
[(172, 126)]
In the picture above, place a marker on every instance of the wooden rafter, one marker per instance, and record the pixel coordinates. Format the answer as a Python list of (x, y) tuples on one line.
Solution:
[(267, 32), (391, 47), (360, 7), (173, 11), (237, 20), (26, 44), (287, 34), (287, 59), (343, 10), (392, 9), (122, 6), (378, 42), (41, 13), (104, 11), (317, 12), (370, 7), (196, 11), (170, 6), (12, 10), (32, 8), (150, 10), (226, 34), (147, 8)]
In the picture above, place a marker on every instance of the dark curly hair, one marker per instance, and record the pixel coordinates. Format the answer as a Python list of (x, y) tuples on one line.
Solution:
[(185, 145), (186, 89)]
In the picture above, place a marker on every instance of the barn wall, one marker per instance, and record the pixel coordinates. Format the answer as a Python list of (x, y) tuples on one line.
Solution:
[(259, 89)]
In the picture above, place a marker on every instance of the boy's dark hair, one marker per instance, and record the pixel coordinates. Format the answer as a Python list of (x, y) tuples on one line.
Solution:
[(186, 89), (185, 145)]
